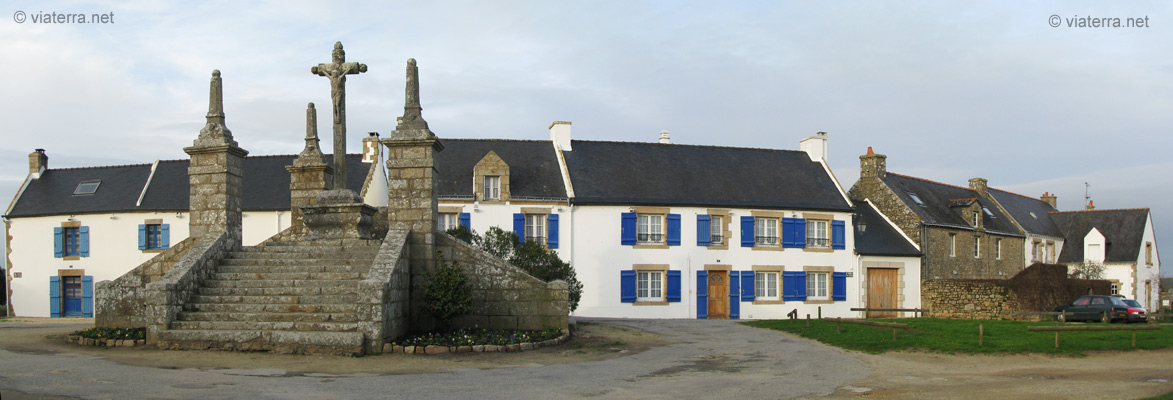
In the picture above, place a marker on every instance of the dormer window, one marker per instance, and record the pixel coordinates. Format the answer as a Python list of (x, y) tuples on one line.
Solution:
[(977, 217), (87, 187), (491, 178), (492, 187)]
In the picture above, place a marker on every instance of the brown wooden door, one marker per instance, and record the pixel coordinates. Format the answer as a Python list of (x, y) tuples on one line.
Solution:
[(882, 284), (718, 294)]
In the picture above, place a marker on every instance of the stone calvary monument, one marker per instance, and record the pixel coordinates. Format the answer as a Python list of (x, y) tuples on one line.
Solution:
[(344, 278)]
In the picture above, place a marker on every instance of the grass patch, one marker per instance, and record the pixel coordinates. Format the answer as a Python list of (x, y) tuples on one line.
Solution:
[(961, 336)]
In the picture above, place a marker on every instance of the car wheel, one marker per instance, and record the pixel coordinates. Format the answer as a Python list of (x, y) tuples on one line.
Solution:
[(1106, 318)]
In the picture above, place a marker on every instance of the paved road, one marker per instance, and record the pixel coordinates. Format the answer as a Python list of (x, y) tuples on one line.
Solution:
[(716, 359)]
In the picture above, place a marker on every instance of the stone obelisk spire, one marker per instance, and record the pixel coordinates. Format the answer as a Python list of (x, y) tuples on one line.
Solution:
[(215, 174)]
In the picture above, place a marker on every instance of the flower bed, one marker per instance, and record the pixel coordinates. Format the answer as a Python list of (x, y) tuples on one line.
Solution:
[(109, 337), (476, 340)]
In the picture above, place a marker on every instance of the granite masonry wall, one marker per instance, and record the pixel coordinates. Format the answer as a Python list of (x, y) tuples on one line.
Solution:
[(384, 296), (939, 264), (1040, 287)]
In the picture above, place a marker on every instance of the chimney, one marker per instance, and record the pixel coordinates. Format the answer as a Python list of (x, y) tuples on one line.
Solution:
[(560, 134), (664, 139), (38, 163), (815, 146), (981, 186), (872, 165), (370, 148), (1050, 199), (1091, 204)]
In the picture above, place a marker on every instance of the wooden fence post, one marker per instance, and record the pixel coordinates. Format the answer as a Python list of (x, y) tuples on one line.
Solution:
[(808, 320), (838, 325), (1134, 339), (981, 332), (820, 312), (893, 334), (1056, 339)]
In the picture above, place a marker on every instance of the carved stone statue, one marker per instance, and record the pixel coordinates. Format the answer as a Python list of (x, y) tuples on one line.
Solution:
[(337, 71)]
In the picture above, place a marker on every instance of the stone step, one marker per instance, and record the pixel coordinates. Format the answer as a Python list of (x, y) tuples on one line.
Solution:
[(255, 283), (341, 343), (327, 243), (267, 316), (300, 266), (276, 291), (323, 299), (265, 326), (327, 276), (270, 308), (302, 255)]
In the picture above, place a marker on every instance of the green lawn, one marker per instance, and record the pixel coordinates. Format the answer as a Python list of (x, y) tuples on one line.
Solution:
[(961, 336)]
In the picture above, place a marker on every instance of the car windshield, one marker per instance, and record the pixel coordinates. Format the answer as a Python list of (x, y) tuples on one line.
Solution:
[(1116, 301), (1132, 303)]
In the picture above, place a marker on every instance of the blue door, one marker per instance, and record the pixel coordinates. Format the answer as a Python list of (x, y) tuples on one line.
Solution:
[(71, 288)]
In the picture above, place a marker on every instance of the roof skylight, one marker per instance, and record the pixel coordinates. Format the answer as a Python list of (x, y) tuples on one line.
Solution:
[(916, 199), (87, 187), (988, 212), (1032, 215)]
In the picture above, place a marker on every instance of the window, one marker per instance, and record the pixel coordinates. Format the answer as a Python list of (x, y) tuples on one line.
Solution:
[(649, 286), (916, 199), (1115, 287), (976, 218), (998, 249), (446, 221), (535, 228), (649, 228), (71, 242), (952, 245), (492, 187), (816, 233), (765, 286), (977, 247), (765, 231), (1034, 251), (1051, 252), (87, 187), (154, 236), (816, 286), (716, 230), (1148, 253), (988, 213)]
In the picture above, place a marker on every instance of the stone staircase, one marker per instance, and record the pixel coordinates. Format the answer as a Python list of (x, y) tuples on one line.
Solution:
[(285, 297)]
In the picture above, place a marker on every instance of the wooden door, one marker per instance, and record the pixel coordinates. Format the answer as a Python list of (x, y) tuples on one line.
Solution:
[(718, 294), (882, 285)]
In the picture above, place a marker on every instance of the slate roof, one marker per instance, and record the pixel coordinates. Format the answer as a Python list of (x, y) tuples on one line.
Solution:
[(880, 238), (1123, 230), (265, 187), (533, 167), (672, 174), (1020, 208), (938, 197)]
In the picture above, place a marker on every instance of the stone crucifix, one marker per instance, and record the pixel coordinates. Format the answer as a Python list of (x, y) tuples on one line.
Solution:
[(337, 71)]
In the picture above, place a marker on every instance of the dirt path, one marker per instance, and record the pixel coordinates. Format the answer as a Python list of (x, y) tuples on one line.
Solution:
[(1102, 375)]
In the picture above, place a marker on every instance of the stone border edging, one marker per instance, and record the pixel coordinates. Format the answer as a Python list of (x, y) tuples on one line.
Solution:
[(104, 342), (389, 349)]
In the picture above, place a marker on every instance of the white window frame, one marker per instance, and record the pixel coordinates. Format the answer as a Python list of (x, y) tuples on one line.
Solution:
[(716, 230), (649, 286), (816, 233), (765, 231), (976, 215), (816, 286), (446, 221), (977, 247), (765, 285), (492, 187), (998, 249), (535, 228), (952, 245), (649, 229)]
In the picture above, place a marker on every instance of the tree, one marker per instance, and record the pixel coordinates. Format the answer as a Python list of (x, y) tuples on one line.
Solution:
[(1087, 270), (448, 294)]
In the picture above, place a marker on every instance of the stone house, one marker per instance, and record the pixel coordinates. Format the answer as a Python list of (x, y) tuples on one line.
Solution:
[(1123, 241)]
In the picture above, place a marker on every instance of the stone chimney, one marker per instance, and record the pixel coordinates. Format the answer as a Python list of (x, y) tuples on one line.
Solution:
[(980, 185), (872, 165), (1050, 199), (815, 146), (664, 138), (560, 134), (38, 163), (1091, 205)]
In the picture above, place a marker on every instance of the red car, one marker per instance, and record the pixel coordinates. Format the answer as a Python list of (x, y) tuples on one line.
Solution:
[(1136, 312)]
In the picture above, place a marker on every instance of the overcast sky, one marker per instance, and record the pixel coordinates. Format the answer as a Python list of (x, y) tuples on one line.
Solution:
[(948, 91)]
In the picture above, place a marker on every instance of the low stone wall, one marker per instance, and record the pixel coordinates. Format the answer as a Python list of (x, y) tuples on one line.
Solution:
[(504, 296), (1040, 287), (104, 342), (119, 303), (385, 294)]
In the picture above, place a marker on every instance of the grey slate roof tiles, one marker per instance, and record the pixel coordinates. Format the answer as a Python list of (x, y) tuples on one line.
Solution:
[(880, 238), (533, 167), (1021, 208), (1123, 230), (938, 199)]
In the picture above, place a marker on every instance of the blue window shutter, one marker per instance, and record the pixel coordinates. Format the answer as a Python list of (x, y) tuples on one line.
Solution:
[(801, 281), (552, 226), (702, 294), (627, 229), (85, 241), (800, 233), (54, 297), (466, 220), (839, 286), (703, 236), (673, 286), (793, 286), (787, 232), (165, 236), (734, 293), (142, 237), (57, 240), (87, 296), (519, 227), (746, 231), (627, 286), (838, 237), (673, 229), (747, 289)]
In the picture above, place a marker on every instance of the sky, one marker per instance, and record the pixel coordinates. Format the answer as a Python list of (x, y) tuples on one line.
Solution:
[(947, 90)]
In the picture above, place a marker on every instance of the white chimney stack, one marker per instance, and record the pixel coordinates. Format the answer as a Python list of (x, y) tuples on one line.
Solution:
[(664, 137), (815, 146), (560, 134)]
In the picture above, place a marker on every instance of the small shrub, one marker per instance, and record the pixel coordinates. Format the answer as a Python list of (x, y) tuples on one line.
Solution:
[(115, 333), (448, 294)]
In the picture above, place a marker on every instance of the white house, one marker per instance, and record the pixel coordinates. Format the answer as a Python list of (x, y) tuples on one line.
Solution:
[(1122, 241), (888, 261)]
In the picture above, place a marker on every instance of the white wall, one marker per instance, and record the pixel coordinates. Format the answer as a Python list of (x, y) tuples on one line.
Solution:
[(500, 214), (909, 280), (257, 226), (1148, 272)]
